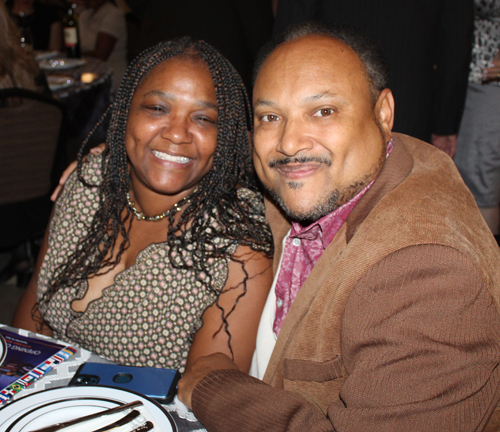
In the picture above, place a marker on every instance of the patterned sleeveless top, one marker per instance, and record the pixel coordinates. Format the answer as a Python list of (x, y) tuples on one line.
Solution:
[(148, 317)]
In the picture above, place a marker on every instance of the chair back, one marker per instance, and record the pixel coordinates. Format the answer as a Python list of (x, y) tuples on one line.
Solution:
[(31, 131)]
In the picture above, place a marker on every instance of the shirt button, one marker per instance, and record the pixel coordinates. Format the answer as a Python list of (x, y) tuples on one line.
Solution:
[(296, 242), (279, 303)]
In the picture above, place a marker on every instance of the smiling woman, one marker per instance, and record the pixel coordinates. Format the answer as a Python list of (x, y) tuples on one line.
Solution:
[(176, 105), (158, 248)]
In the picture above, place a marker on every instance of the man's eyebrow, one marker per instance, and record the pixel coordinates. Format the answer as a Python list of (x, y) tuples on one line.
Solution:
[(307, 99), (315, 97), (170, 96)]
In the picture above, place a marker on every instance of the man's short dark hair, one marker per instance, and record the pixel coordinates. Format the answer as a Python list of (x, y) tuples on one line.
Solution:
[(367, 50)]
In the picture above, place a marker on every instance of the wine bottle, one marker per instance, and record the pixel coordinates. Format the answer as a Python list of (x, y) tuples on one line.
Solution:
[(71, 34), (24, 30)]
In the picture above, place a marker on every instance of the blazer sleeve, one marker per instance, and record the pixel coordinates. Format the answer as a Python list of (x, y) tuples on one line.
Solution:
[(421, 346), (454, 44)]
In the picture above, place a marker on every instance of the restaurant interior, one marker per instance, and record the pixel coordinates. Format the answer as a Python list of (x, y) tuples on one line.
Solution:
[(62, 73)]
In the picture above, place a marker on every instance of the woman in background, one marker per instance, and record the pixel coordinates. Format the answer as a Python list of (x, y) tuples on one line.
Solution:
[(478, 149), (18, 67), (41, 20), (103, 34)]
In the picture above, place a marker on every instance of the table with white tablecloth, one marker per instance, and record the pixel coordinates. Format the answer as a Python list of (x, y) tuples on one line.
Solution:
[(62, 374)]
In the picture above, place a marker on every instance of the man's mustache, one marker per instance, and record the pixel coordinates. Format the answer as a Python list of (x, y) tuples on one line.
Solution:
[(298, 160)]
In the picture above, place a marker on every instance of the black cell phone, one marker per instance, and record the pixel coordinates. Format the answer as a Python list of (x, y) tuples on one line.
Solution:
[(158, 384)]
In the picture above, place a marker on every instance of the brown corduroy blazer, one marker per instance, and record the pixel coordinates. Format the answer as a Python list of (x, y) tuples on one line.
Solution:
[(397, 327)]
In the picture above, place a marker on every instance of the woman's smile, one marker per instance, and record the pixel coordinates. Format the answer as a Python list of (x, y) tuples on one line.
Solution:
[(171, 158)]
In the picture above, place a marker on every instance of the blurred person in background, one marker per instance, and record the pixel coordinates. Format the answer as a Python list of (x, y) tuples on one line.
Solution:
[(103, 34), (478, 149), (40, 21), (18, 67)]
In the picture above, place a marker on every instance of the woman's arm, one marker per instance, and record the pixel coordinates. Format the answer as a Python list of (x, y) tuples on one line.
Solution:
[(55, 42), (23, 317), (492, 73), (103, 46), (244, 320)]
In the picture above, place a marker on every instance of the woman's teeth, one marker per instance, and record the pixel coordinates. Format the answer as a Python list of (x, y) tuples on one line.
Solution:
[(170, 158)]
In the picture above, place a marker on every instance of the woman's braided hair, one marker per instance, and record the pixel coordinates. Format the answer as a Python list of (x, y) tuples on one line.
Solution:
[(216, 195)]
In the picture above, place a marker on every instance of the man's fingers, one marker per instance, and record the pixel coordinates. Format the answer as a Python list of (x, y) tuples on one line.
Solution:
[(67, 172), (98, 149), (64, 177)]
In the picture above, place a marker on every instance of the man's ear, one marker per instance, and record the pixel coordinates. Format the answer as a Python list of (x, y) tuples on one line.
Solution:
[(384, 111)]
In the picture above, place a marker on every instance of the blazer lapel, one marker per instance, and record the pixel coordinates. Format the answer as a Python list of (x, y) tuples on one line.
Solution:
[(302, 303)]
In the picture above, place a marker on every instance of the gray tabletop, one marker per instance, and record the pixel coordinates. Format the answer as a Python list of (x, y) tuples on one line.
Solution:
[(62, 374)]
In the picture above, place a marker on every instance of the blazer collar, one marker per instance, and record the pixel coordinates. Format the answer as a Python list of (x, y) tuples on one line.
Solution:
[(396, 169)]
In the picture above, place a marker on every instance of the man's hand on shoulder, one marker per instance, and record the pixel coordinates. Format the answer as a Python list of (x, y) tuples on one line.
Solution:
[(69, 170), (447, 143), (199, 370)]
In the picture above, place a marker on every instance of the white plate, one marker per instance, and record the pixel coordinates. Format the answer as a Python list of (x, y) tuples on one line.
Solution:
[(42, 55), (57, 405), (61, 63), (59, 82)]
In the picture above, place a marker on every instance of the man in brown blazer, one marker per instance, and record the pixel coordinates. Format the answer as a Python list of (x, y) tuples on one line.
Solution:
[(396, 326)]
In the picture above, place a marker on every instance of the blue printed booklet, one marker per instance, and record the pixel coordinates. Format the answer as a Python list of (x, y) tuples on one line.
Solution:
[(25, 359)]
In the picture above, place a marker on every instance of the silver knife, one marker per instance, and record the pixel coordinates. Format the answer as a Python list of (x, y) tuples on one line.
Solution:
[(123, 421), (59, 426)]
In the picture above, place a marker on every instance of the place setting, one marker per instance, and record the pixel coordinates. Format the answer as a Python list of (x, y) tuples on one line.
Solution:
[(60, 63), (43, 55), (59, 82), (96, 398), (85, 409)]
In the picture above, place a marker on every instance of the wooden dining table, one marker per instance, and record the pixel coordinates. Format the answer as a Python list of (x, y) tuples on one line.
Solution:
[(61, 376)]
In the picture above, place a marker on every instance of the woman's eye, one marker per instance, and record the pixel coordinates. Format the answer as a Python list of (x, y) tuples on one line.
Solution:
[(270, 118), (155, 108), (323, 112), (207, 119)]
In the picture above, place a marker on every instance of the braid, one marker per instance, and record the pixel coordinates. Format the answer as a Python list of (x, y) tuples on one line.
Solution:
[(215, 196)]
